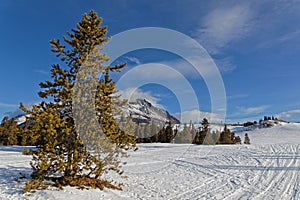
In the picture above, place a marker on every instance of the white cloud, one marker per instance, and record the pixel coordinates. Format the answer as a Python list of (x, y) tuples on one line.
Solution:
[(225, 64), (285, 38), (237, 96), (288, 114), (252, 110), (133, 60), (155, 72), (6, 105), (205, 64), (224, 25), (44, 72), (186, 69), (289, 36), (197, 116), (132, 94), (162, 75)]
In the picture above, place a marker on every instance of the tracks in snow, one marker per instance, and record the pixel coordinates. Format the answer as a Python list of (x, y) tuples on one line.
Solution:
[(260, 172)]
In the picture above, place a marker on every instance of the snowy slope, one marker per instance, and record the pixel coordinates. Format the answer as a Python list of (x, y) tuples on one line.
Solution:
[(286, 133), (267, 169)]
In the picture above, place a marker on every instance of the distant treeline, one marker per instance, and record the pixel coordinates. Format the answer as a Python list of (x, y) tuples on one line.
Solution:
[(168, 133), (154, 132)]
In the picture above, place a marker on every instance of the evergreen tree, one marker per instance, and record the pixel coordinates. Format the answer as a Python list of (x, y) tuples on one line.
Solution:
[(203, 135), (269, 118), (247, 139), (193, 131), (215, 136), (205, 125), (209, 139), (200, 136), (169, 133), (127, 125), (62, 156), (155, 127), (175, 132), (184, 136), (237, 140), (226, 137), (162, 137), (138, 132), (8, 132), (29, 137), (147, 133)]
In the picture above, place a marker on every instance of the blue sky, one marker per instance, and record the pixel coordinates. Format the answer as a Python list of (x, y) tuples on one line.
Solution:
[(255, 45)]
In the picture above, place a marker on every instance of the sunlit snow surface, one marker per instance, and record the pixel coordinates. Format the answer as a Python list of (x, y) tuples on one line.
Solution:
[(269, 168)]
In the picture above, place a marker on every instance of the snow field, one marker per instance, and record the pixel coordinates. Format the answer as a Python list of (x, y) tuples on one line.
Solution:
[(269, 168)]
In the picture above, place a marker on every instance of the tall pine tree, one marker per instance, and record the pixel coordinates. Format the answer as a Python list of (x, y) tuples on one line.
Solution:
[(61, 154)]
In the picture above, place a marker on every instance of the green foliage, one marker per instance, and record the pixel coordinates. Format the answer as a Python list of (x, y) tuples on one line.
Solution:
[(226, 136), (61, 155), (247, 139), (205, 125), (147, 133), (9, 132), (168, 133), (248, 124), (184, 136), (165, 134), (155, 130), (202, 132), (237, 140)]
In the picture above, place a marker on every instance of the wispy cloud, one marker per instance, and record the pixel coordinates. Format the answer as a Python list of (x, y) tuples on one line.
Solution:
[(237, 96), (289, 36), (154, 72), (291, 114), (225, 25), (252, 110), (224, 65), (40, 71), (284, 38), (197, 116), (165, 76), (7, 105), (5, 108), (132, 94), (133, 60), (243, 114)]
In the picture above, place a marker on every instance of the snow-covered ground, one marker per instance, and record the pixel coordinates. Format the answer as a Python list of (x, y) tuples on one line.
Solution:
[(269, 168)]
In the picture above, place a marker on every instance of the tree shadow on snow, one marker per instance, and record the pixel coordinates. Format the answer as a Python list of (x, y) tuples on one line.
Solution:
[(13, 178), (18, 149)]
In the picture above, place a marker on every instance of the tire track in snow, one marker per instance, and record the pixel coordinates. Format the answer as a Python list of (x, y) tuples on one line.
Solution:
[(212, 185), (275, 182), (292, 182), (218, 186)]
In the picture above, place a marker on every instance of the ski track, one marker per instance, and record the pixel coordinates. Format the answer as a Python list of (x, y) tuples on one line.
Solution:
[(167, 171), (260, 172)]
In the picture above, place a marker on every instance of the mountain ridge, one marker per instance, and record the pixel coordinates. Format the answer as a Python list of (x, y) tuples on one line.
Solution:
[(141, 110)]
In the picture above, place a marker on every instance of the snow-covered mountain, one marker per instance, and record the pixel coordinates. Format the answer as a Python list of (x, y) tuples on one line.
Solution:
[(143, 111)]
